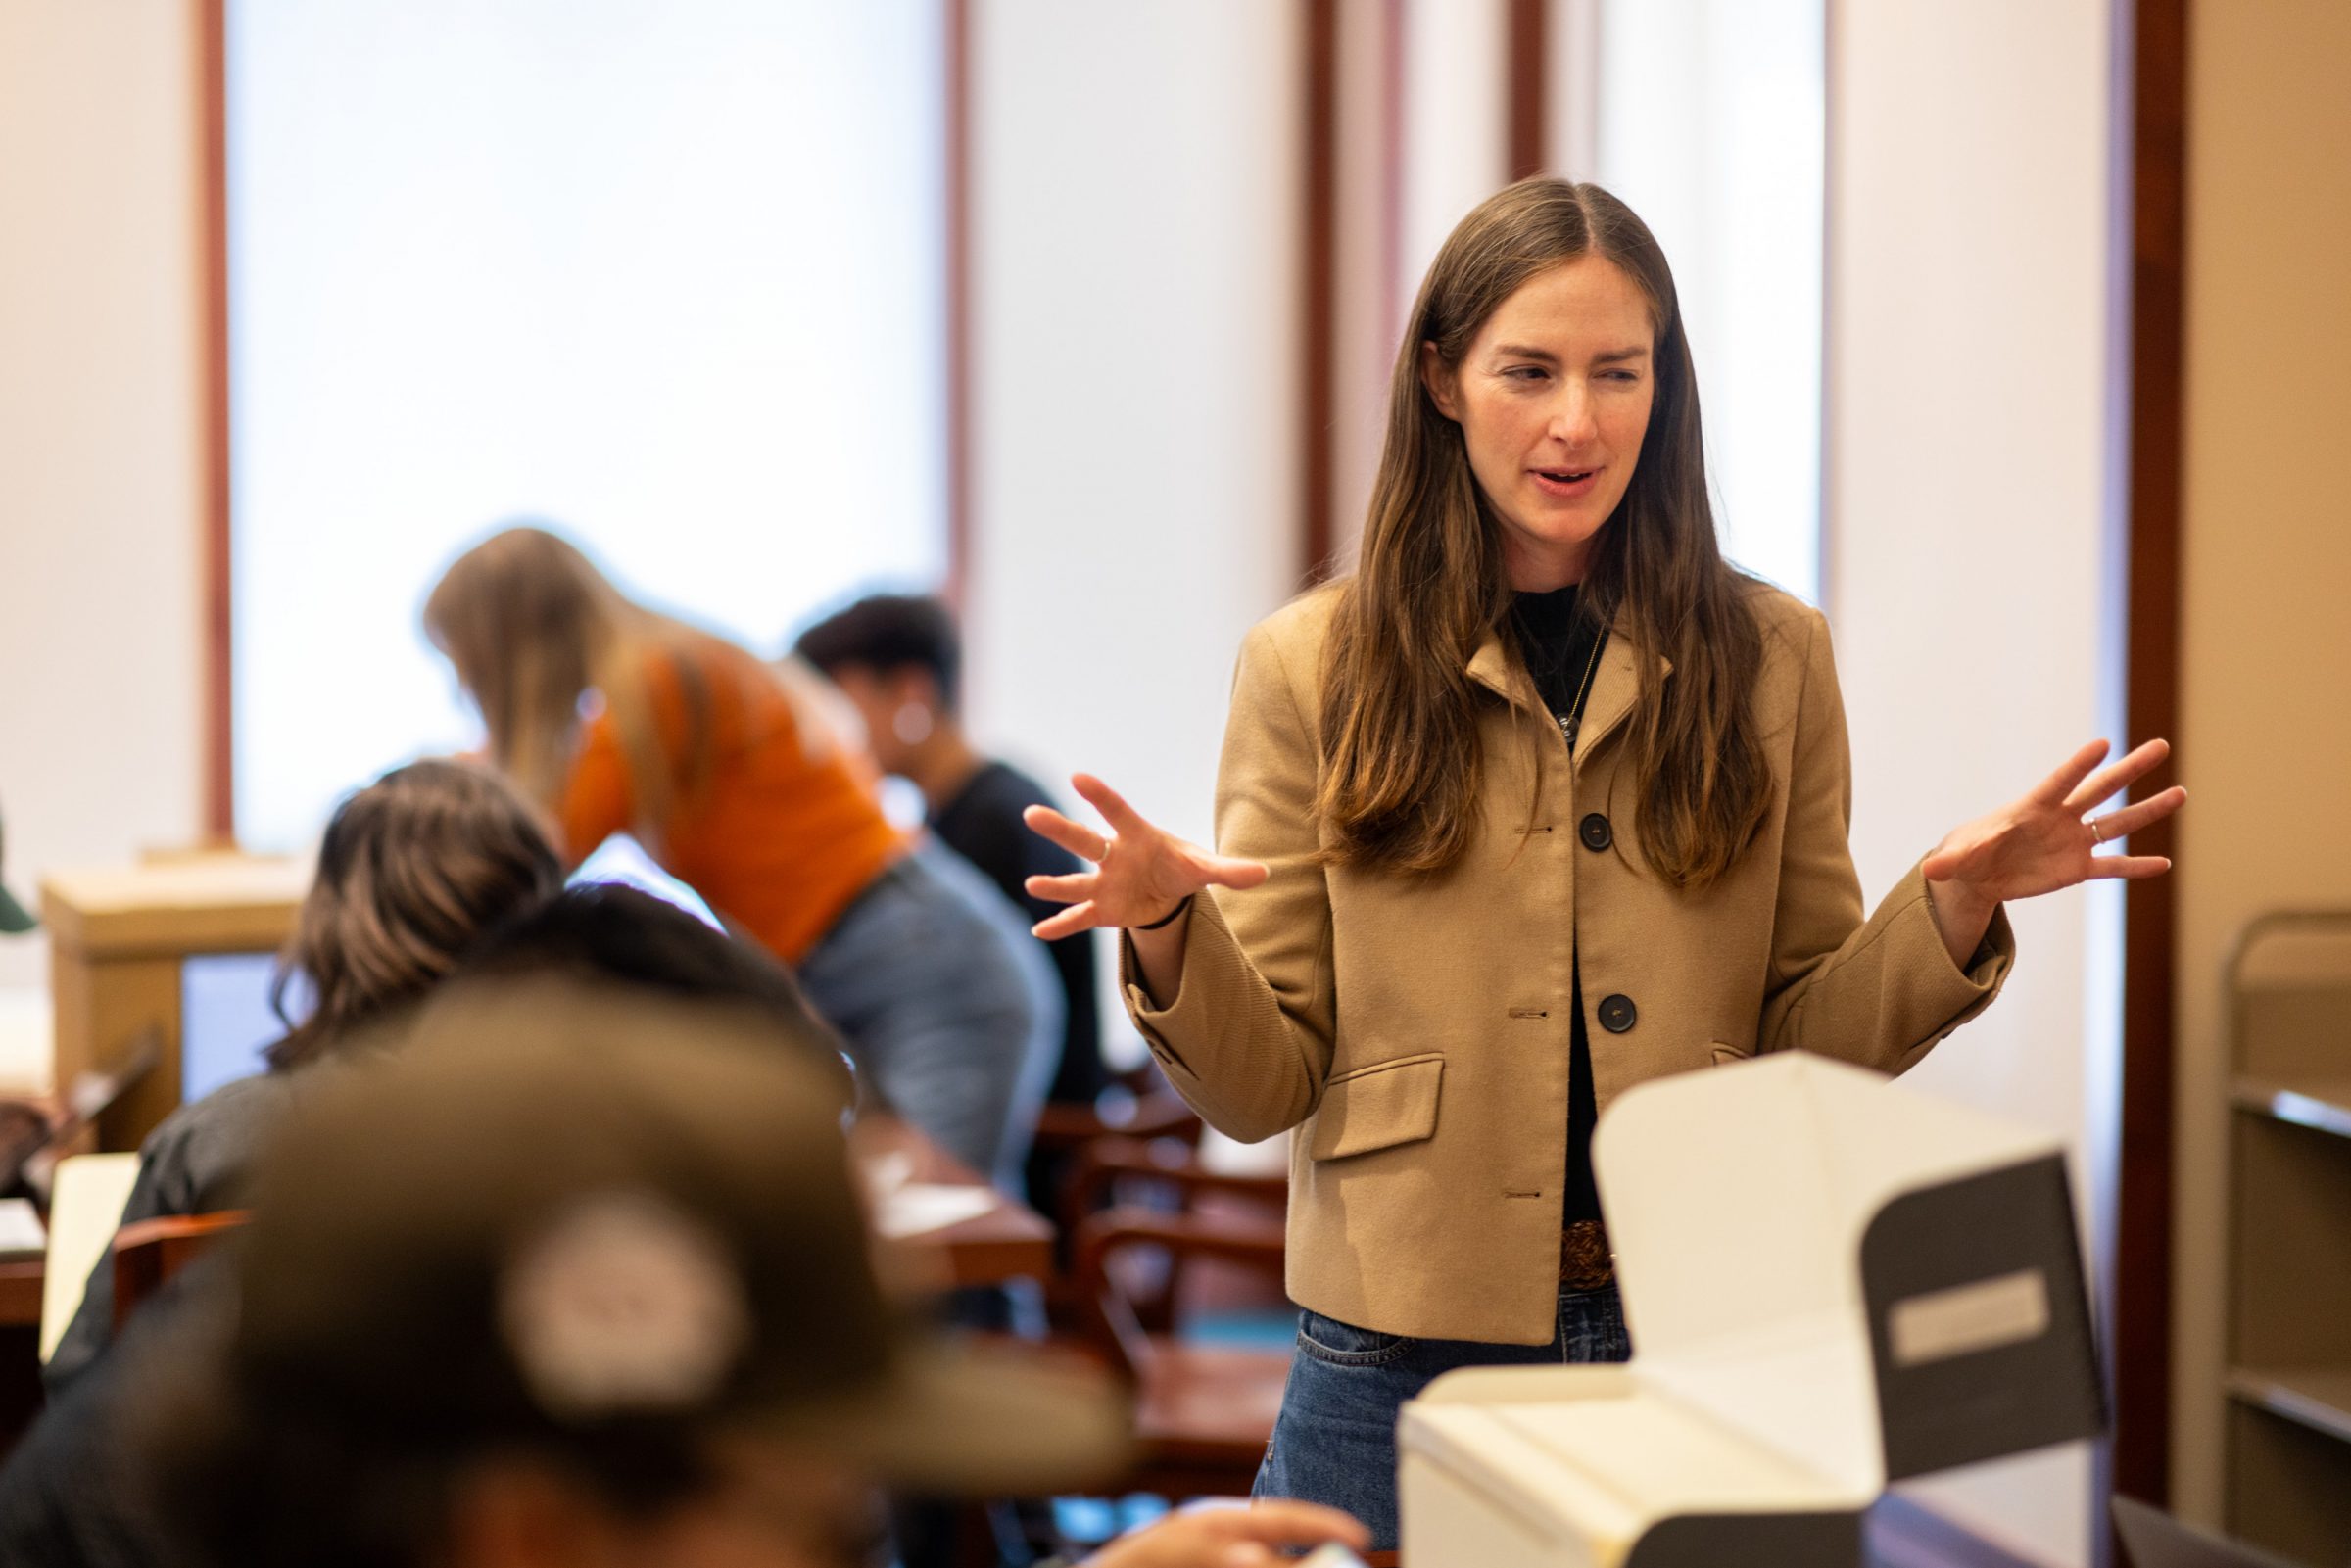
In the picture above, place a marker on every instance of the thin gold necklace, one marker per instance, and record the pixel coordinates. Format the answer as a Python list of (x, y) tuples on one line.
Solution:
[(1573, 717)]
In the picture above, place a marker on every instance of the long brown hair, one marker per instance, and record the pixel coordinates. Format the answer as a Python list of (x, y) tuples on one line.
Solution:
[(411, 870), (1402, 769), (532, 628)]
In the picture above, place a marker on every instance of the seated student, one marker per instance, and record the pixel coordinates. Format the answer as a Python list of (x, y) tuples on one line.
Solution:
[(619, 934), (579, 1280), (897, 657), (411, 870)]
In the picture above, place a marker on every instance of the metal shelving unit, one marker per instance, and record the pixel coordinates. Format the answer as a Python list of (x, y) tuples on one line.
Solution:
[(2288, 1380)]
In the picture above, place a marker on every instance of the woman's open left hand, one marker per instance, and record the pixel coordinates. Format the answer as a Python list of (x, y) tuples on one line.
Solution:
[(2047, 841), (1139, 874)]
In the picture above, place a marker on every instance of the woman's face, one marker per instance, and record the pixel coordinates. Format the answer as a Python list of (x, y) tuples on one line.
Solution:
[(1553, 398)]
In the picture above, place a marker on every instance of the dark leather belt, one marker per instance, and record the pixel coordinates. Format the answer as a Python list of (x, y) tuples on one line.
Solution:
[(1585, 1260)]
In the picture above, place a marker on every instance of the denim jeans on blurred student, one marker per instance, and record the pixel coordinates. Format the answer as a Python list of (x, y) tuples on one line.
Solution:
[(948, 1004), (1335, 1440)]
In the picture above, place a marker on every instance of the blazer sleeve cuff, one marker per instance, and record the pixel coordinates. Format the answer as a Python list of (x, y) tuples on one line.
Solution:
[(1952, 993), (1210, 955)]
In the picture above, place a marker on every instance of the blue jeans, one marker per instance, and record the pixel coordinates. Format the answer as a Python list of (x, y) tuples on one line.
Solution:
[(948, 1004), (1335, 1440)]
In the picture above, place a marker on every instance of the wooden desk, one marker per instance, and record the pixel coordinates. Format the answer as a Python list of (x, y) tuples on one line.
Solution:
[(22, 1281), (116, 940), (1007, 1240)]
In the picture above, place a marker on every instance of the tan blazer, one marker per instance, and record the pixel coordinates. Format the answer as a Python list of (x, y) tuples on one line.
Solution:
[(1417, 1026)]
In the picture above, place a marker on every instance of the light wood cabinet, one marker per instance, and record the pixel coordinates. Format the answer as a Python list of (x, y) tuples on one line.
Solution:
[(117, 940)]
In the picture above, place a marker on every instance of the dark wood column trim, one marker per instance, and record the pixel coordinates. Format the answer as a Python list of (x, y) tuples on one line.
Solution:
[(956, 95), (1525, 68), (2158, 195), (218, 746), (1317, 284)]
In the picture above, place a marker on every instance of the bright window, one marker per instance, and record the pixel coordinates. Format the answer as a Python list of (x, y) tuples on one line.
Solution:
[(669, 275)]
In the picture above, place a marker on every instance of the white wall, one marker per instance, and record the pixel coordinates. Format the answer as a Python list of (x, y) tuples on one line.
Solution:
[(1135, 213), (100, 518), (1968, 340)]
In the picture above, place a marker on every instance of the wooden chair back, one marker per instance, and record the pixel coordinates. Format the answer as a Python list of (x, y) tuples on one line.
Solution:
[(1203, 1412), (150, 1253)]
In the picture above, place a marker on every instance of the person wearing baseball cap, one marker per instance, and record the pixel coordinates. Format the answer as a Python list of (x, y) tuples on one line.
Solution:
[(581, 1277), (15, 919)]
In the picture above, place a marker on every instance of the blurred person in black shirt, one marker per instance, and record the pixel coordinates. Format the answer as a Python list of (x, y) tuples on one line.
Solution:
[(899, 660)]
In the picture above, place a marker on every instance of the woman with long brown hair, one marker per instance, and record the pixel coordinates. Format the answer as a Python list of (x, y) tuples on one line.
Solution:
[(1545, 800), (729, 772)]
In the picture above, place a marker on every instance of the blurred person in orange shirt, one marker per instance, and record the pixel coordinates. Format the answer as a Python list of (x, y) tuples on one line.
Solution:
[(730, 773)]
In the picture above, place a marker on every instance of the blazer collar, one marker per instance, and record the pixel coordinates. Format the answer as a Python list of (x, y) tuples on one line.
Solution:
[(1615, 685)]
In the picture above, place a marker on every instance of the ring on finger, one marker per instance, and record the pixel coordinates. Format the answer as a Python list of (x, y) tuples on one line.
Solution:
[(2097, 834)]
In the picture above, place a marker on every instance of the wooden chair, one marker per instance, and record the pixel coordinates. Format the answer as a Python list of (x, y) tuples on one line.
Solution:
[(1109, 1167), (148, 1254), (1203, 1413), (1106, 1161), (1140, 1134), (1138, 1104)]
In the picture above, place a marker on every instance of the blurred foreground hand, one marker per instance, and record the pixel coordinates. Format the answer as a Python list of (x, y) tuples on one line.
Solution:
[(1260, 1536)]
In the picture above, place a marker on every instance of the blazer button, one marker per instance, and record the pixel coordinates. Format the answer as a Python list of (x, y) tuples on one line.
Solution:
[(1595, 831), (1617, 1014)]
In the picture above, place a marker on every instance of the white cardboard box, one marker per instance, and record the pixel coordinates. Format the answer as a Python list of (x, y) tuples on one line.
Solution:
[(1830, 1283)]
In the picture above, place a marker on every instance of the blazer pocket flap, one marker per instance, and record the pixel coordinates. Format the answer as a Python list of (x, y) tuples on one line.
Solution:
[(1378, 1108)]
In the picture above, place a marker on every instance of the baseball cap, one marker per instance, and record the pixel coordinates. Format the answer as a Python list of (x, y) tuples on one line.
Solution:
[(565, 1209), (15, 918)]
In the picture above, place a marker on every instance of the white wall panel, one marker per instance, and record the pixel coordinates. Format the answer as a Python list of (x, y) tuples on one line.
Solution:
[(100, 461), (1135, 212)]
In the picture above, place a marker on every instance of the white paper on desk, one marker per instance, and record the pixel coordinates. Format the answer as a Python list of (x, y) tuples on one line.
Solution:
[(27, 1034), (922, 1205), (21, 1233)]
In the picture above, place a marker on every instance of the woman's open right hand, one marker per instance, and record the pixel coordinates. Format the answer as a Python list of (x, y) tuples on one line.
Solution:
[(1140, 874)]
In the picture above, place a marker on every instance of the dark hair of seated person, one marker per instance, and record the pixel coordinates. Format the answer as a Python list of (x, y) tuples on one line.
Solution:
[(887, 633), (616, 935), (411, 870)]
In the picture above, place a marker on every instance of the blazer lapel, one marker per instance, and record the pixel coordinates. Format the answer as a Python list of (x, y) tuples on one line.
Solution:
[(1616, 688), (1489, 668)]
